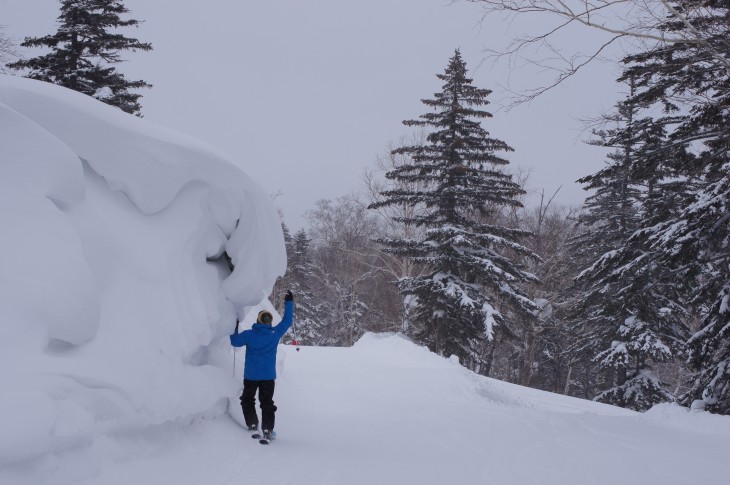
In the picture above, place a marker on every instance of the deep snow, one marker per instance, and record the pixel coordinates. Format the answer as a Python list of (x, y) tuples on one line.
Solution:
[(115, 306), (389, 412), (114, 298)]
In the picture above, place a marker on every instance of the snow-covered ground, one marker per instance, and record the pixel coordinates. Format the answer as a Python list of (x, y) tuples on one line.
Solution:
[(389, 412), (115, 306)]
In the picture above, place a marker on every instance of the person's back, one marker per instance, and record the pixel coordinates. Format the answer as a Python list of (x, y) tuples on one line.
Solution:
[(262, 342), (259, 371)]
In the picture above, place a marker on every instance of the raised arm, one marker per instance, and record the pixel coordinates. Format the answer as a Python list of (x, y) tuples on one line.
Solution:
[(288, 318)]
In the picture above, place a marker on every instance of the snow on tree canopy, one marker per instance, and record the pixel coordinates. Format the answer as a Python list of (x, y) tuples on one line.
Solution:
[(116, 298)]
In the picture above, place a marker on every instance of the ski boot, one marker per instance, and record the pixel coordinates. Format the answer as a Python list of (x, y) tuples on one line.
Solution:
[(268, 437)]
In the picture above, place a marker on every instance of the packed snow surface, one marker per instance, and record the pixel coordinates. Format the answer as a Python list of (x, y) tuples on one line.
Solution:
[(389, 412)]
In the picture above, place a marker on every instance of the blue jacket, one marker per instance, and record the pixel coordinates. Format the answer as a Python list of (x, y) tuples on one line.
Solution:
[(261, 343)]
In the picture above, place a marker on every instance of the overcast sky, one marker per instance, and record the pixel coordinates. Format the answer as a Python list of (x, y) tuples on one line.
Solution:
[(305, 94)]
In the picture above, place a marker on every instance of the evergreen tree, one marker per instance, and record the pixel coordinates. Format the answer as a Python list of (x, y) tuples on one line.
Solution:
[(608, 218), (309, 324), (690, 81), (472, 289), (628, 305), (84, 50)]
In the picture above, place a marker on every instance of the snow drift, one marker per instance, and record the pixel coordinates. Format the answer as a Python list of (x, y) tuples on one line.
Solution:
[(116, 297)]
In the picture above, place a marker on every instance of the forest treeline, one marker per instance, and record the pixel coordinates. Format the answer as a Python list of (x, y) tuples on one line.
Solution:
[(624, 300)]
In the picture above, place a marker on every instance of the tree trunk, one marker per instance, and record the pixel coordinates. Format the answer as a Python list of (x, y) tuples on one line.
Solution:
[(490, 360), (528, 357), (566, 391)]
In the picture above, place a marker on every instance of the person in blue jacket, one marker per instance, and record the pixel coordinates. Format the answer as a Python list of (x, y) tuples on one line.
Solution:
[(259, 370)]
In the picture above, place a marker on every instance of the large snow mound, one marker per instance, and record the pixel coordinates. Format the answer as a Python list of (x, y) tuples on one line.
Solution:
[(115, 296)]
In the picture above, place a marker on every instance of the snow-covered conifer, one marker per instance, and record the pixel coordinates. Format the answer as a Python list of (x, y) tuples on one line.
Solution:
[(472, 288), (83, 51), (309, 322), (627, 306), (690, 82)]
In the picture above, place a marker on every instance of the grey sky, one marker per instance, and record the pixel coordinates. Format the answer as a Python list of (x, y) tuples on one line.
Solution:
[(304, 95)]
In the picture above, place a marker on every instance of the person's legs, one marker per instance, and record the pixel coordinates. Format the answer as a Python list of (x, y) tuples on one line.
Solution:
[(248, 402), (268, 409)]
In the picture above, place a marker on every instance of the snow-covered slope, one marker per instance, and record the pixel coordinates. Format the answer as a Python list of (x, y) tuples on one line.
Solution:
[(389, 412), (115, 303)]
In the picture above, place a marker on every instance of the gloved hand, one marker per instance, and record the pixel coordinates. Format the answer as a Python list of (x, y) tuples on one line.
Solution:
[(288, 296)]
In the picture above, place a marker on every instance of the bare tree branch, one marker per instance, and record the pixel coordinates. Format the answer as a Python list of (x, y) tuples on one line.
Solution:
[(570, 68), (638, 20)]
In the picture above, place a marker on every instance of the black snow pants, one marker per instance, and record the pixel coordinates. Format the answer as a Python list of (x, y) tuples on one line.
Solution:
[(266, 398)]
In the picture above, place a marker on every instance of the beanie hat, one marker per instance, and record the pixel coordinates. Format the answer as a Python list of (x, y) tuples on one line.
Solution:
[(264, 317)]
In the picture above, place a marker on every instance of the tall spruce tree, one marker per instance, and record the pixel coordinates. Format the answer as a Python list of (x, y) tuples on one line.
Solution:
[(472, 288), (628, 305), (690, 81), (84, 50), (607, 219)]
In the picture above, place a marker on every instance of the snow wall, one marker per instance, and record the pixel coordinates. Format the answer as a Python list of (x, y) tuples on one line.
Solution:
[(115, 298)]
